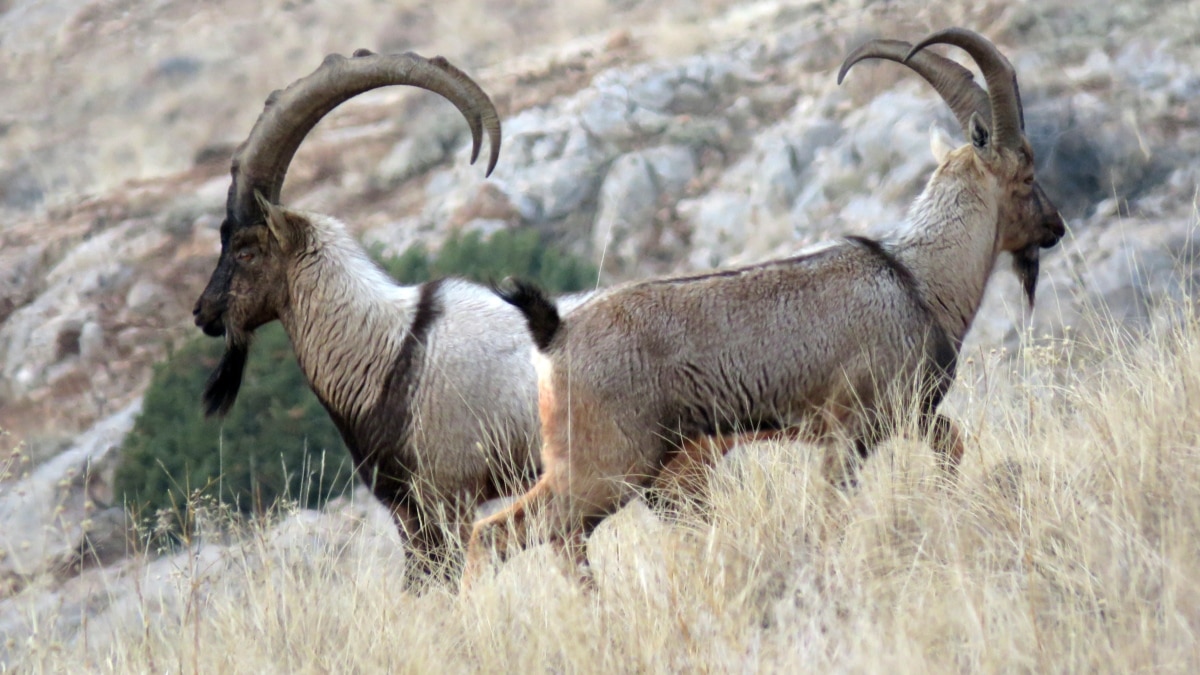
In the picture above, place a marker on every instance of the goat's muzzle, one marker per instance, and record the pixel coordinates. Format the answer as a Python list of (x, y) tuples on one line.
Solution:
[(213, 303), (1053, 225), (209, 317), (1027, 261), (1054, 229)]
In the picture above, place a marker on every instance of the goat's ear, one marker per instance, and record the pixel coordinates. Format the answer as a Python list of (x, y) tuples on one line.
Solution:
[(980, 135), (283, 228), (940, 143)]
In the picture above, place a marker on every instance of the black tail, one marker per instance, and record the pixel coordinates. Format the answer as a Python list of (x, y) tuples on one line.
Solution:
[(539, 310)]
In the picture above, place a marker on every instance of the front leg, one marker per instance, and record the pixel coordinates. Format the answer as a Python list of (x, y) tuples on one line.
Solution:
[(430, 554)]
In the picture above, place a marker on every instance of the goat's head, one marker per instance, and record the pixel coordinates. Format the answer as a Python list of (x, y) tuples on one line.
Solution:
[(994, 124), (258, 237)]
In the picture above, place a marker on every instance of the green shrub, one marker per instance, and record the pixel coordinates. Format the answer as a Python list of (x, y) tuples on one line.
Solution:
[(278, 441), (269, 446), (518, 252)]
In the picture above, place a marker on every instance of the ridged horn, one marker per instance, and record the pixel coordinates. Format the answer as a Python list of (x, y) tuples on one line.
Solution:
[(955, 84), (1008, 118), (261, 162)]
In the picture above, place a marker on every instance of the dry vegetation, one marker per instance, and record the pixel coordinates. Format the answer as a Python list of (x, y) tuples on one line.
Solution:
[(1070, 543)]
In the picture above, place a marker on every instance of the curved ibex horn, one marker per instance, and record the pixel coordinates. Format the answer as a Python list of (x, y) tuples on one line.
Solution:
[(261, 162), (955, 84), (1008, 118)]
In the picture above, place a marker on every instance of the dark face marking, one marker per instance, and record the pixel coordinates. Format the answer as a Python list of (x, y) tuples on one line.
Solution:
[(1030, 217), (245, 291), (210, 307), (1029, 222)]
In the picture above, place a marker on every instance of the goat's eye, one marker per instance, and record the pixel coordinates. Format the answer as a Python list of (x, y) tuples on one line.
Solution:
[(245, 255)]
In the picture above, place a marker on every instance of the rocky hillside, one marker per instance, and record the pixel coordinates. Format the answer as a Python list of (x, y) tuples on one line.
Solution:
[(649, 137)]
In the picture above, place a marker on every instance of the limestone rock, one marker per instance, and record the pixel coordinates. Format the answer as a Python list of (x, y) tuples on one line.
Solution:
[(49, 517), (637, 185)]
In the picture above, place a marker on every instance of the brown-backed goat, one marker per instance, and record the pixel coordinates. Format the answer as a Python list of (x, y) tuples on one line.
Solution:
[(837, 342), (430, 386)]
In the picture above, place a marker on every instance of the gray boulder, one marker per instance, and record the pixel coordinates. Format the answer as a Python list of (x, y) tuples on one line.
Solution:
[(55, 517), (637, 186)]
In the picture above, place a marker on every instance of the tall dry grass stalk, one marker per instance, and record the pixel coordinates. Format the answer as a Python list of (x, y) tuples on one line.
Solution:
[(1071, 542)]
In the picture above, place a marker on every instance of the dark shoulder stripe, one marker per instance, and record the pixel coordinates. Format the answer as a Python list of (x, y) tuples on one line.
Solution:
[(898, 269), (943, 352), (429, 308), (899, 272), (387, 427), (402, 380)]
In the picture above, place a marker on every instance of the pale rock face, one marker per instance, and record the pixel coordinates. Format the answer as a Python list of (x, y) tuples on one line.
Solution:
[(410, 157), (23, 276), (42, 336), (48, 516), (145, 295), (113, 599), (630, 197)]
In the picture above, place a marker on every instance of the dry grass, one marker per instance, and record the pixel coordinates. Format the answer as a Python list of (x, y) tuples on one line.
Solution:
[(1070, 543)]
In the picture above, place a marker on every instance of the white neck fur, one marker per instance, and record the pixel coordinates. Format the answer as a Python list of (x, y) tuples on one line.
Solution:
[(950, 247), (347, 319)]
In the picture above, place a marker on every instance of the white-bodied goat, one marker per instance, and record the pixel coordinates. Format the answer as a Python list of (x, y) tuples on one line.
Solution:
[(430, 386)]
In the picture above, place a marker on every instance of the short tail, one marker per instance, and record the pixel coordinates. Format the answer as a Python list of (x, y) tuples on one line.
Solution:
[(540, 311)]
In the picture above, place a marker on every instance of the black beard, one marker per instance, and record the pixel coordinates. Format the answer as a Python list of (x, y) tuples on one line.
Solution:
[(222, 388), (1026, 264)]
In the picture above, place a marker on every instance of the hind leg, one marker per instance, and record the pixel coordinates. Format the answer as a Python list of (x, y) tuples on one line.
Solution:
[(588, 475), (497, 534), (684, 477), (551, 510), (429, 555)]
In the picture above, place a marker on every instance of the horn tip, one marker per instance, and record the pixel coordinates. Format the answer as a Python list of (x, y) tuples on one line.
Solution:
[(476, 142), (492, 164)]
